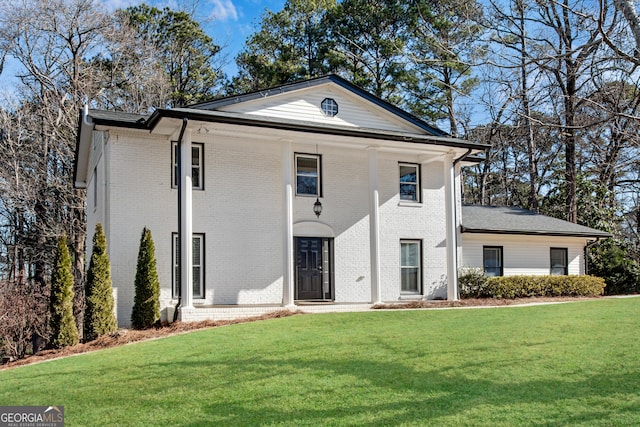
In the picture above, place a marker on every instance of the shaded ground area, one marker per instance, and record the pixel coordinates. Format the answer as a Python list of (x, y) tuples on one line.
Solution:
[(126, 336), (479, 302)]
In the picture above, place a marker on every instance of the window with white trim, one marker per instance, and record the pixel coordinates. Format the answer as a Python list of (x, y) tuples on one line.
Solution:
[(197, 166), (308, 175), (410, 266), (409, 182), (492, 260), (198, 243), (559, 264)]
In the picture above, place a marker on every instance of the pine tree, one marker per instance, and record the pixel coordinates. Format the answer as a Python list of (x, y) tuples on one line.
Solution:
[(99, 318), (146, 305), (63, 325)]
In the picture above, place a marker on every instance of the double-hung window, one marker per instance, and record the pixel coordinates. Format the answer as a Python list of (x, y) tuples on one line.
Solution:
[(198, 265), (492, 260), (409, 182), (559, 265), (197, 166), (308, 175), (410, 266)]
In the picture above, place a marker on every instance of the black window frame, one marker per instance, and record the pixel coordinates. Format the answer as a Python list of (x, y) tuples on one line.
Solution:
[(174, 165), (319, 186), (329, 107), (565, 268), (418, 182), (484, 260), (174, 248)]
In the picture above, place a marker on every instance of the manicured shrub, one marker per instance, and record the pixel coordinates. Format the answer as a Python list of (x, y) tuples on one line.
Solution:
[(540, 286), (63, 325), (146, 305), (99, 318), (471, 282)]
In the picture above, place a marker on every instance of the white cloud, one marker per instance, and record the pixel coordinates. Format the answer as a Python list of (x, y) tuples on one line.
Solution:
[(223, 10)]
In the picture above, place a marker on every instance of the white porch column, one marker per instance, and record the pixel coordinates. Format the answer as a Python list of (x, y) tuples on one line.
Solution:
[(186, 232), (374, 225), (287, 226), (450, 213)]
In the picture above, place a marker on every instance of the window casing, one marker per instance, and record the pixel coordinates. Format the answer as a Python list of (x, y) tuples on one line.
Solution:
[(559, 264), (197, 165), (409, 182), (329, 107), (198, 246), (492, 261), (410, 266), (308, 175)]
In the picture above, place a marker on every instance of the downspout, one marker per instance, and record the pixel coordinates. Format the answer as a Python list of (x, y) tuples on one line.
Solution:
[(179, 252), (586, 253), (461, 158), (455, 212)]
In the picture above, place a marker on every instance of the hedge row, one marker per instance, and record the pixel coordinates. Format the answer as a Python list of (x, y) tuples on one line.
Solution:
[(472, 286)]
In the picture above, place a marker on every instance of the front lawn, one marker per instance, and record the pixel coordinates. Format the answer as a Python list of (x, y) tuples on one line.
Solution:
[(563, 364)]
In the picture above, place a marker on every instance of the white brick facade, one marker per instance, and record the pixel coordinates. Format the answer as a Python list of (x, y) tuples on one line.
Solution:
[(251, 221), (239, 212), (251, 218)]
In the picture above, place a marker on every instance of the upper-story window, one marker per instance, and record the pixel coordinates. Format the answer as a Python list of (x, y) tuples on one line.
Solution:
[(197, 166), (308, 175), (409, 182), (329, 107)]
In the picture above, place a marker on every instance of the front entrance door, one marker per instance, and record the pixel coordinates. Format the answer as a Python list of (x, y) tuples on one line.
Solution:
[(312, 258)]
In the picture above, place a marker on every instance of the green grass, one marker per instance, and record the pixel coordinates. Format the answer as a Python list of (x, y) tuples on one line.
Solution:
[(567, 364)]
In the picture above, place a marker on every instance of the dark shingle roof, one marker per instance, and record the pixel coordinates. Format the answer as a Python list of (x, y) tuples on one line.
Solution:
[(118, 118), (512, 220)]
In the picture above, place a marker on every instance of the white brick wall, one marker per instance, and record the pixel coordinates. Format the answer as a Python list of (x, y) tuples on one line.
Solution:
[(240, 214)]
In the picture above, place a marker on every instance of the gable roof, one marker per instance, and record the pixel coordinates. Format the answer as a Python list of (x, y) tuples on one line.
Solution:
[(213, 112), (512, 220), (331, 78)]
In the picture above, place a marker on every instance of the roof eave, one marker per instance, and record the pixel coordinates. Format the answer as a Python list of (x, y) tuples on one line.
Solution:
[(209, 116), (597, 234)]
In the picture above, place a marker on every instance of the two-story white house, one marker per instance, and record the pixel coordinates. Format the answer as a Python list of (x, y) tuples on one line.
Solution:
[(311, 192)]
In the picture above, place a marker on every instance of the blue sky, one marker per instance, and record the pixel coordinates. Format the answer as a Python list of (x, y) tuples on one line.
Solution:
[(229, 22)]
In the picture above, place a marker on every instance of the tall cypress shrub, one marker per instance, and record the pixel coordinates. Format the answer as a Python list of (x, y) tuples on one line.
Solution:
[(146, 304), (99, 318), (62, 322)]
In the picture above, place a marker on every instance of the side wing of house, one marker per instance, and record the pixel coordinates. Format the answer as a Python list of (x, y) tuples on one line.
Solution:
[(510, 255), (506, 241)]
